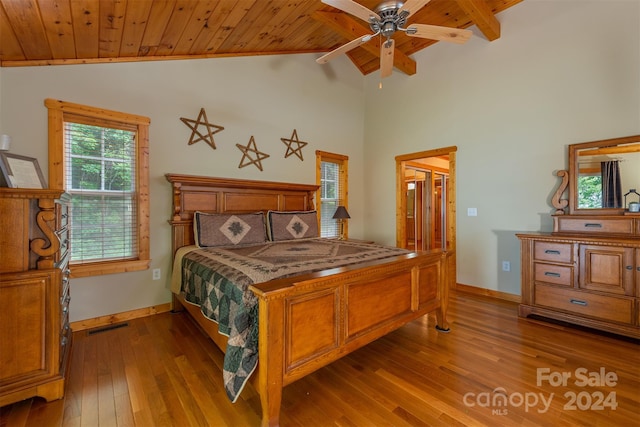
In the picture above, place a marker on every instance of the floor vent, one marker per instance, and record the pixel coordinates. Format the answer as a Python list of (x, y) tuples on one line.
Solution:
[(107, 328)]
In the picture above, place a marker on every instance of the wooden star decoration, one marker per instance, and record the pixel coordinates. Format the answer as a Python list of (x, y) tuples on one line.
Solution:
[(289, 142), (251, 148), (196, 135)]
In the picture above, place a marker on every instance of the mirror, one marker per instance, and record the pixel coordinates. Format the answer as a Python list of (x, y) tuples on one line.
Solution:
[(602, 173)]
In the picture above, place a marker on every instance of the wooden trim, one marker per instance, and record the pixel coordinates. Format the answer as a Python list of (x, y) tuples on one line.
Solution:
[(574, 153), (468, 289), (57, 164), (58, 112), (332, 156), (123, 59), (112, 319), (101, 113), (108, 267), (343, 162), (429, 153), (401, 204)]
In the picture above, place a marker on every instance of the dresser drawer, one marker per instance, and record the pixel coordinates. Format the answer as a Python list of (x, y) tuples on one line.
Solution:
[(64, 289), (62, 216), (63, 236), (585, 304), (551, 251), (620, 225), (551, 273), (65, 342)]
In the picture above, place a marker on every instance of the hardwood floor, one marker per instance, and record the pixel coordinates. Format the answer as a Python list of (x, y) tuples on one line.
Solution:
[(161, 371)]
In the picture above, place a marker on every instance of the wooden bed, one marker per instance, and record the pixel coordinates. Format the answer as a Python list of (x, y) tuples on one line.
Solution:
[(309, 321)]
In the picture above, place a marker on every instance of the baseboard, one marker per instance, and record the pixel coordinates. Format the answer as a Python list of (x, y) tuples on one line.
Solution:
[(162, 308), (488, 293), (119, 317)]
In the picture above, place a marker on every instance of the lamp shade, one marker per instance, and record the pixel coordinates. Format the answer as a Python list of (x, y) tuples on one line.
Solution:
[(341, 213)]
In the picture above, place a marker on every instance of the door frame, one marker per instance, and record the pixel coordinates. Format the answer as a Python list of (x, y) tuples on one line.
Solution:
[(401, 204)]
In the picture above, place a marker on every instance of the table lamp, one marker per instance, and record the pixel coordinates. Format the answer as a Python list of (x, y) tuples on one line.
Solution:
[(341, 215)]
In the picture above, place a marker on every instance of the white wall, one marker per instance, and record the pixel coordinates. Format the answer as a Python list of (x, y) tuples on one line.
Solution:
[(563, 72), (264, 97)]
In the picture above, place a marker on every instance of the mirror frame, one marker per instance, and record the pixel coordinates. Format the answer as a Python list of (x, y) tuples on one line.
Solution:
[(573, 174)]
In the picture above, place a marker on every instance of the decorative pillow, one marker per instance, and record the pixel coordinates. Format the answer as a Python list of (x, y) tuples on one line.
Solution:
[(292, 225), (229, 229)]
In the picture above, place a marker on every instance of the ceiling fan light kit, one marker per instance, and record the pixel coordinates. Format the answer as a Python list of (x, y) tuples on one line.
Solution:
[(389, 17)]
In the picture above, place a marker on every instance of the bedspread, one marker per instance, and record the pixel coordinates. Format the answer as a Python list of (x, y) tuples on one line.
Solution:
[(218, 280)]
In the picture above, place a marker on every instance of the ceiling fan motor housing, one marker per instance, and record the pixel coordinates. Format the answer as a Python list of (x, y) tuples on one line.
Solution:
[(390, 20)]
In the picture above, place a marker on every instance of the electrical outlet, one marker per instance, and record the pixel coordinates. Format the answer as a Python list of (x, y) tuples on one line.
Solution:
[(156, 274), (472, 211), (506, 266)]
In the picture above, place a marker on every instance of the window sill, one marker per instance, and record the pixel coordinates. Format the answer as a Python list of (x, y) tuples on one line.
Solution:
[(108, 267)]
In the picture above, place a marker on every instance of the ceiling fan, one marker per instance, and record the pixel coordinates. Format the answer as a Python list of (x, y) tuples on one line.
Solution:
[(389, 17)]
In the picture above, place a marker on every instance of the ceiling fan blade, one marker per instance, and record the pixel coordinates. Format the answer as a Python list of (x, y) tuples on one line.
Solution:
[(386, 57), (434, 32), (344, 48), (353, 8), (412, 6)]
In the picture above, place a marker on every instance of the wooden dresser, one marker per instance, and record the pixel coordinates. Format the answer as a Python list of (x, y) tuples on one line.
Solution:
[(587, 272), (35, 335)]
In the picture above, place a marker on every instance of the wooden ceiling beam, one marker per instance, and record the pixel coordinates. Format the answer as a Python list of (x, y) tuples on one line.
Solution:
[(351, 29), (482, 16)]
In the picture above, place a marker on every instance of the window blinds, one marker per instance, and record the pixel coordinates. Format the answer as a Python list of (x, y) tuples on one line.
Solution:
[(100, 176), (331, 197)]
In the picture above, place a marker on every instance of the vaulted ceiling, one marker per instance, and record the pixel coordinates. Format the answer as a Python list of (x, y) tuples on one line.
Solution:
[(50, 32)]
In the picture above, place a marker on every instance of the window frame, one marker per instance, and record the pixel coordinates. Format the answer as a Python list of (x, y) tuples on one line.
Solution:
[(58, 112), (343, 174)]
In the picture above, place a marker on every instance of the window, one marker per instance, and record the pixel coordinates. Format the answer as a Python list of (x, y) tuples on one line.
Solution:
[(589, 191), (331, 176), (100, 158)]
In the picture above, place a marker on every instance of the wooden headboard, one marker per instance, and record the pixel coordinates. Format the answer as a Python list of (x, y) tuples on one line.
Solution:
[(226, 195)]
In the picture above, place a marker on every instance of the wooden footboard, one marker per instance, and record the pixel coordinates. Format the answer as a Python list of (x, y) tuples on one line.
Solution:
[(310, 322)]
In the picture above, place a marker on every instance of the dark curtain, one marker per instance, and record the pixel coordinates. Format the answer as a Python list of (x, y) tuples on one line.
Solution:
[(611, 188)]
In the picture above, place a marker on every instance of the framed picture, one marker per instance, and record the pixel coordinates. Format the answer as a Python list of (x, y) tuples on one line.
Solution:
[(20, 172)]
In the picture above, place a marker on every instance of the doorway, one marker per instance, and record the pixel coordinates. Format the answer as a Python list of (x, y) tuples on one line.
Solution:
[(427, 191), (425, 203)]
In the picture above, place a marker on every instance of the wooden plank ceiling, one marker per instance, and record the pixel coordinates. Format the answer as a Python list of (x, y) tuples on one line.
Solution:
[(50, 32)]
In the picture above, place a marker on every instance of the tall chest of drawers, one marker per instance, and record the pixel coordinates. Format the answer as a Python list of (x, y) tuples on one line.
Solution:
[(34, 294), (586, 272)]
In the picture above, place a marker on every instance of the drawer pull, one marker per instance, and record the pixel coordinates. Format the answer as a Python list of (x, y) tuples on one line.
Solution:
[(629, 267), (593, 225), (551, 274), (578, 302), (551, 251)]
